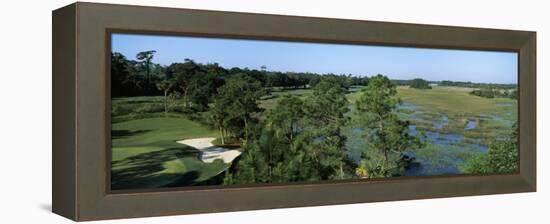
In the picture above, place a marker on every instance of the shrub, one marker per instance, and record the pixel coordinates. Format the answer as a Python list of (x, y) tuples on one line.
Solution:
[(150, 108), (120, 110)]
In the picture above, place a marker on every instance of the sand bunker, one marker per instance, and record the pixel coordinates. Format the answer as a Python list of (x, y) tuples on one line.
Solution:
[(210, 152)]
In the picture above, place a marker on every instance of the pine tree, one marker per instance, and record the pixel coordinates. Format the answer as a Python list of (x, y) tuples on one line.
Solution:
[(385, 132), (325, 111)]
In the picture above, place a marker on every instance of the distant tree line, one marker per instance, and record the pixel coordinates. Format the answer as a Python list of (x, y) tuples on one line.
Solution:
[(491, 92), (134, 77), (403, 82), (486, 90), (476, 85), (141, 77), (419, 84)]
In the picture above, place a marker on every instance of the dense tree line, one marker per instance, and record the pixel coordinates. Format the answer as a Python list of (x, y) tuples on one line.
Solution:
[(419, 84), (141, 77), (401, 82), (133, 77), (476, 85), (509, 87)]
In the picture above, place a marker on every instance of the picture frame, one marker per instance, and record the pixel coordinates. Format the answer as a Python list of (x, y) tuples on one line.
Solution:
[(82, 128)]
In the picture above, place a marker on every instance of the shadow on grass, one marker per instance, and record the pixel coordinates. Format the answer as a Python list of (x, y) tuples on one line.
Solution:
[(118, 134), (142, 171)]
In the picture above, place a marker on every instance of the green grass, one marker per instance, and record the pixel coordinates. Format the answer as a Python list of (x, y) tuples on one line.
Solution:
[(452, 100), (271, 102), (145, 154), (155, 133)]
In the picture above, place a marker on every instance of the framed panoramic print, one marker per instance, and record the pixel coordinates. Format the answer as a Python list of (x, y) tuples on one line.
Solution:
[(202, 111)]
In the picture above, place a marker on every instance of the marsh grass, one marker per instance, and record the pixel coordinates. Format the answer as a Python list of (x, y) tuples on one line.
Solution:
[(441, 158), (492, 117)]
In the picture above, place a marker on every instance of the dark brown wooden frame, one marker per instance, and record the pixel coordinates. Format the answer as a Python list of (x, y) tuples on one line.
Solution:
[(81, 110)]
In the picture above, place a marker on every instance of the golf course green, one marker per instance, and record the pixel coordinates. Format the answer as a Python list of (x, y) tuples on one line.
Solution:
[(145, 154)]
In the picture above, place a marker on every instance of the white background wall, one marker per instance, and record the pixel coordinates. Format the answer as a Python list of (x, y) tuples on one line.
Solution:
[(25, 119)]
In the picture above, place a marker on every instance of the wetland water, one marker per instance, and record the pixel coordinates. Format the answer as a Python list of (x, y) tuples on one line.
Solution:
[(445, 151)]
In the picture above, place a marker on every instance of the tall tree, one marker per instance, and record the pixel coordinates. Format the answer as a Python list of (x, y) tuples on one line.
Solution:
[(241, 93), (202, 88), (287, 117), (275, 154), (146, 57), (218, 116), (325, 110), (119, 74), (288, 124), (183, 74), (165, 86), (375, 112)]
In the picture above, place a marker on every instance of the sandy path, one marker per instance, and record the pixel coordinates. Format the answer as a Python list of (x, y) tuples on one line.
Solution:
[(210, 152)]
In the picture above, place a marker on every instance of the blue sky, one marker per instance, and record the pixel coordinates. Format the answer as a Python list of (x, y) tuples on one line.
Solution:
[(359, 60)]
